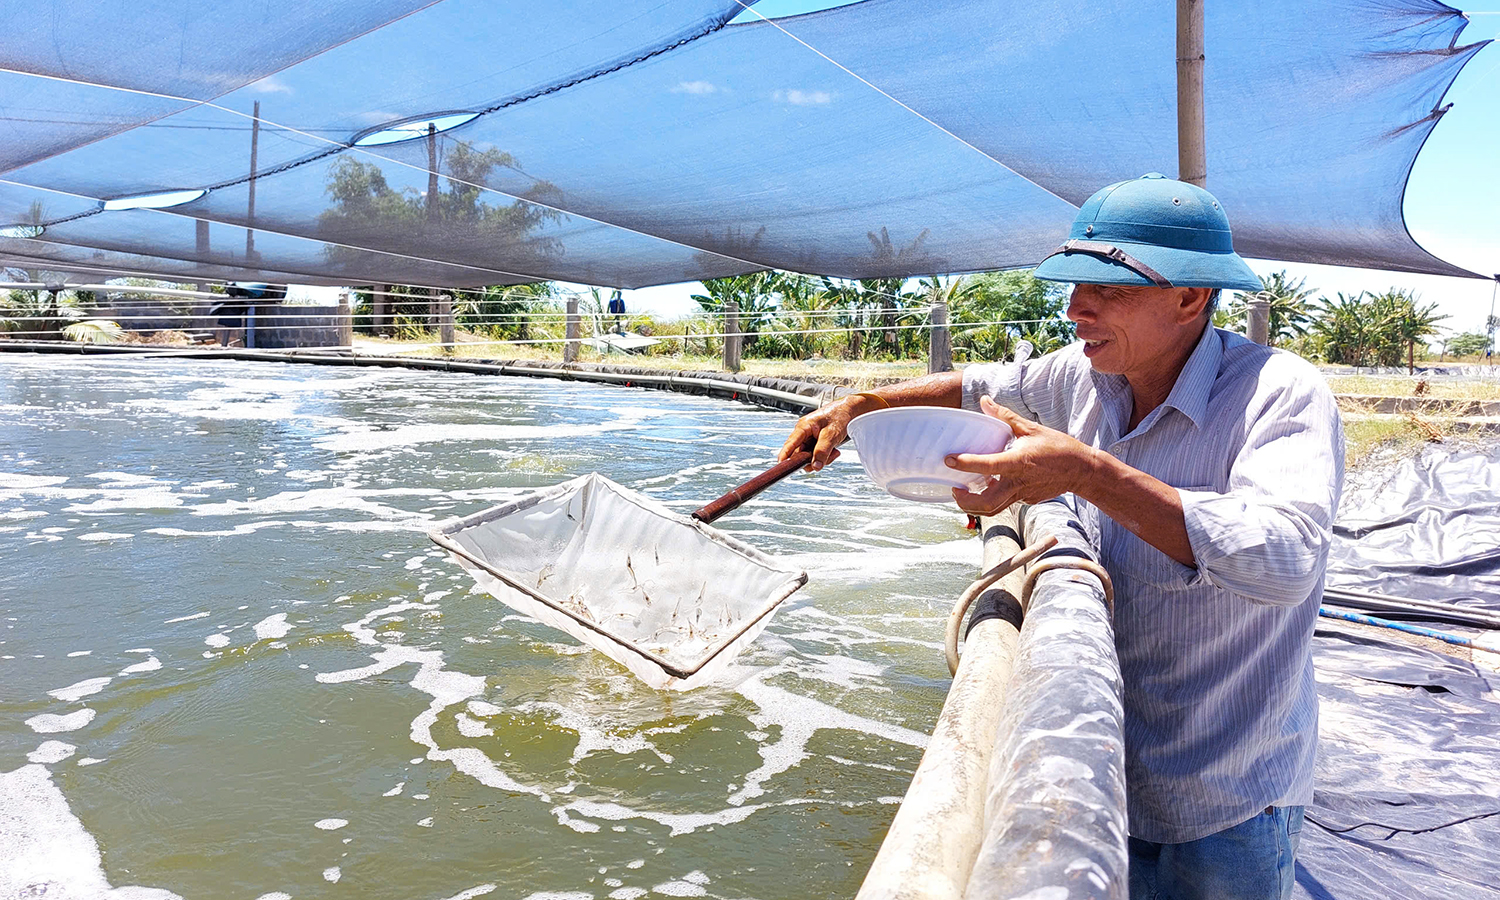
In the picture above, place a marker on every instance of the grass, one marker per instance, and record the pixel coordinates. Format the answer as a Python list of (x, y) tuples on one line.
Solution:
[(861, 373), (1406, 386), (1377, 439)]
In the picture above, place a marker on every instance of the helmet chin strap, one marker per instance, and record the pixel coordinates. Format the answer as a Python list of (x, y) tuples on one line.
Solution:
[(1111, 252)]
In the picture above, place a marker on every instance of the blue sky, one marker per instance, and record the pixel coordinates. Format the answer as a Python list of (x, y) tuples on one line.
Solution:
[(1452, 199)]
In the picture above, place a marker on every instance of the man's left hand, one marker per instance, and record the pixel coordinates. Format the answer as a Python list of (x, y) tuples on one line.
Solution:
[(1040, 463)]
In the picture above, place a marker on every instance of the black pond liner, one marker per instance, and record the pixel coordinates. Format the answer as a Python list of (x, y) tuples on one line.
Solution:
[(1407, 800)]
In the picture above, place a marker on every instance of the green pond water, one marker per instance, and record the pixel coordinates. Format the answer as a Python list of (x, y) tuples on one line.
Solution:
[(233, 665)]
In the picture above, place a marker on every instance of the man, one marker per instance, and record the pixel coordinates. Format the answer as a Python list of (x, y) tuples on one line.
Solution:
[(1217, 466)]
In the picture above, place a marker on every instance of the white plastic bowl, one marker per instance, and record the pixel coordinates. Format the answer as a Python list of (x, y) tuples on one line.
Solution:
[(903, 448)]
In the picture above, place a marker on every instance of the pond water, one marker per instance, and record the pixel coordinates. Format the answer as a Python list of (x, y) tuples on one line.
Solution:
[(233, 665)]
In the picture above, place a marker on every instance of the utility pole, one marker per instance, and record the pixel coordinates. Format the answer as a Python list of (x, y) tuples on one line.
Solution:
[(250, 210), (1192, 151)]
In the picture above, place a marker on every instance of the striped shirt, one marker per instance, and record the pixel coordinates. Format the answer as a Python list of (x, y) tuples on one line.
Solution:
[(1221, 709)]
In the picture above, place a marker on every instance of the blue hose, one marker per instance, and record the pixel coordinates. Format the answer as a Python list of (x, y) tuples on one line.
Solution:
[(1397, 626)]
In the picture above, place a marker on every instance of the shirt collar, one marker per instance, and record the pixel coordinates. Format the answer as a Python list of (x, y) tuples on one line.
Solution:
[(1190, 394)]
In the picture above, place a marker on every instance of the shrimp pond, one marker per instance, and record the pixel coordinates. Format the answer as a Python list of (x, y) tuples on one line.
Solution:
[(233, 665)]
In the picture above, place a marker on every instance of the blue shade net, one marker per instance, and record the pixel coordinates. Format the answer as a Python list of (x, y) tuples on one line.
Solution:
[(630, 144)]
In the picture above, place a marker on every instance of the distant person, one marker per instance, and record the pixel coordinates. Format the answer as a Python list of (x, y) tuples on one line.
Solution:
[(1213, 467), (617, 309)]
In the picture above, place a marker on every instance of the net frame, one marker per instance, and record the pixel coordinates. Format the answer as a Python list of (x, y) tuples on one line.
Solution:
[(652, 667)]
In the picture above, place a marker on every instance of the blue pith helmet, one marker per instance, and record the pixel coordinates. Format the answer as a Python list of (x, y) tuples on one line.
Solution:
[(1151, 230)]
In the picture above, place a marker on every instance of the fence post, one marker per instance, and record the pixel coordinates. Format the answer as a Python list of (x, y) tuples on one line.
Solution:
[(732, 336), (940, 351), (345, 320), (445, 321), (570, 332), (380, 309), (1258, 320)]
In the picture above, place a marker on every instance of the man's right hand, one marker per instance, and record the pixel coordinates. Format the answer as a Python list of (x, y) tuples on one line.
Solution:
[(823, 430)]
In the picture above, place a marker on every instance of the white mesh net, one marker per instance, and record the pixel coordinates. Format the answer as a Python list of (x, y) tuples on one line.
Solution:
[(668, 597)]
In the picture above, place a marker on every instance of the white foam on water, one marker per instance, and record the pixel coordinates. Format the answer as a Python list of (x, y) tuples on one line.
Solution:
[(679, 823), (149, 665), (559, 895), (332, 874), (201, 615), (635, 864), (861, 566), (679, 889), (593, 730), (330, 824), (628, 893), (336, 499), (16, 481), (44, 849), (425, 823), (799, 717), (125, 478), (49, 752), (105, 536), (275, 895), (395, 790), (242, 529), (476, 891), (76, 692), (272, 628), (77, 653), (89, 761), (364, 439), (482, 709), (217, 640), (472, 728), (50, 723)]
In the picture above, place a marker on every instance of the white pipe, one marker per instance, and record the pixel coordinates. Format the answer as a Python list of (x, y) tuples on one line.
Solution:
[(935, 838)]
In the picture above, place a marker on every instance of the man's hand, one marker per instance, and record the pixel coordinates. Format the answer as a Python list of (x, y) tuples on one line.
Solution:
[(1039, 464), (823, 430)]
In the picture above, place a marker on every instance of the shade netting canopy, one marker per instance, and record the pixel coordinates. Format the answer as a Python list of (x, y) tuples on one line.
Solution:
[(630, 144)]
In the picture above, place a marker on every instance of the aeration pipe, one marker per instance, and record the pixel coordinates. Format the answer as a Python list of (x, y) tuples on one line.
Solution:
[(1055, 821), (931, 846)]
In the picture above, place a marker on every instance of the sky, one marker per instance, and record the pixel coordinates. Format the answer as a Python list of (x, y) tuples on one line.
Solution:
[(1452, 199)]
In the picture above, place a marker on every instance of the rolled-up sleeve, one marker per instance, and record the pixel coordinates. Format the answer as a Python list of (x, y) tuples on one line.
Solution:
[(1001, 382), (1267, 537)]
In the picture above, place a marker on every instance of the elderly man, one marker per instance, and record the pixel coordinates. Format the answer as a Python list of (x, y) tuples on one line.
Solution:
[(1217, 466)]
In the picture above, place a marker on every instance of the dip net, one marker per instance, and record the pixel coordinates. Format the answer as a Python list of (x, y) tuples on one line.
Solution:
[(668, 597)]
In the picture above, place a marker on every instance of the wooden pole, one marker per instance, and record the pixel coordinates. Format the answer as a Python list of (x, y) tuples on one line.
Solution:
[(346, 320), (445, 321), (940, 350), (250, 208), (732, 336), (1258, 319), (1192, 151), (570, 332)]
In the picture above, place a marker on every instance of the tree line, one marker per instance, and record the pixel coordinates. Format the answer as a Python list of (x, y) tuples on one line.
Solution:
[(1389, 328)]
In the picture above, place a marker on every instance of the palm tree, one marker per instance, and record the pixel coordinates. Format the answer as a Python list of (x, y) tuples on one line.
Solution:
[(1290, 313), (802, 308), (754, 295), (1406, 323), (1000, 308)]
